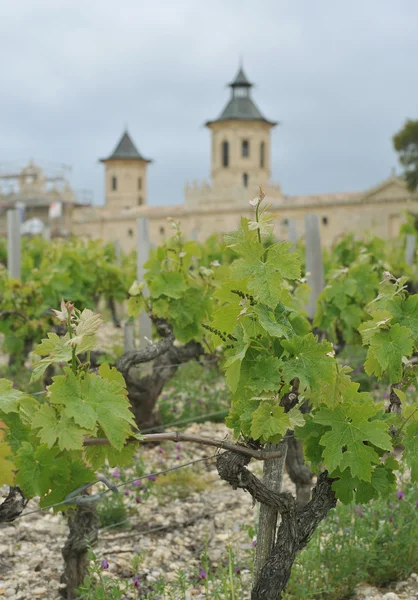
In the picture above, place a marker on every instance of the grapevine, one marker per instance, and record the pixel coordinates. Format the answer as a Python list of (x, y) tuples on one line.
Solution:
[(283, 379)]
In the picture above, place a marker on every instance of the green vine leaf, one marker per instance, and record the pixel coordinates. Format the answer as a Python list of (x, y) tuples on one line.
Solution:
[(135, 306), (269, 423), (10, 398), (265, 375), (54, 426), (387, 348), (171, 284), (333, 393), (410, 454), (347, 444), (38, 468), (94, 400), (309, 361), (98, 455)]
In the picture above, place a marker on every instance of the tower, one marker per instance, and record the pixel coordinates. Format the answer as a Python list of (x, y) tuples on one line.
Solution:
[(125, 176), (240, 140)]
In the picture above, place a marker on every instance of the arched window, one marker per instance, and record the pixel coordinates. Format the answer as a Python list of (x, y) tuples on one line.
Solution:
[(140, 200), (262, 154), (114, 183), (225, 154), (245, 148), (245, 179), (139, 183)]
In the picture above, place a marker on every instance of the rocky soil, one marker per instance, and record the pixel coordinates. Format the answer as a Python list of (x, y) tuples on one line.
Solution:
[(169, 532)]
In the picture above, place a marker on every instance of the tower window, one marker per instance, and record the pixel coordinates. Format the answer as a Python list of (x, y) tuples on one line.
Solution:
[(324, 220), (162, 230), (114, 183), (225, 154), (139, 183), (245, 148), (245, 179), (130, 232), (262, 154), (140, 200)]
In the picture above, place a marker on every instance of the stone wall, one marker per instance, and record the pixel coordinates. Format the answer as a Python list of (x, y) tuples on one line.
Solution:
[(380, 211)]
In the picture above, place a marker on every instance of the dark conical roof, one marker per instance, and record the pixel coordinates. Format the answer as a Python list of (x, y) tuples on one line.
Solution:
[(125, 149), (240, 80), (241, 107)]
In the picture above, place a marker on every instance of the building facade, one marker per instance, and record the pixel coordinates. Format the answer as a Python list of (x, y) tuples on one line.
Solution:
[(42, 195), (240, 163)]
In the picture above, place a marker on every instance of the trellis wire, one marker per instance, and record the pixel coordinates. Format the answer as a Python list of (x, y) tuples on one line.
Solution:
[(72, 497)]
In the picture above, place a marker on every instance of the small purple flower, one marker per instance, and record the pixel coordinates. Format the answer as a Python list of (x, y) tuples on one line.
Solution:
[(254, 544), (400, 495), (137, 483), (138, 500), (116, 474), (416, 503), (136, 581), (174, 409), (126, 492), (202, 574), (391, 518), (386, 395), (200, 402), (152, 477), (237, 571), (105, 564), (178, 457), (178, 447), (161, 450)]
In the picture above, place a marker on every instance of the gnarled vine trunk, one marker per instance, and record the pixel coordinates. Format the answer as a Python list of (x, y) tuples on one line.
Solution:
[(298, 471), (297, 524), (83, 522), (143, 392)]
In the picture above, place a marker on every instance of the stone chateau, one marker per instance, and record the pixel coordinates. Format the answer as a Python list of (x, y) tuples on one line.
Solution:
[(240, 163)]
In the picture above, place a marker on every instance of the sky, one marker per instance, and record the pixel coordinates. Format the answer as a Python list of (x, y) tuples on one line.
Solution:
[(339, 76)]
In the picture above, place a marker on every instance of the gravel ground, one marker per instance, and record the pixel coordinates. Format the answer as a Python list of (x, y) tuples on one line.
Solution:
[(30, 549)]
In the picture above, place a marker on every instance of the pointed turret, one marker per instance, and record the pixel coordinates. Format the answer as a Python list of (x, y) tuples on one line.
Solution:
[(125, 150), (241, 140), (126, 175), (241, 107)]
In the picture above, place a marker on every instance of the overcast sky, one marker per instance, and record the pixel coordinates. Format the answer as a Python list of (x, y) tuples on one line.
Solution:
[(340, 76)]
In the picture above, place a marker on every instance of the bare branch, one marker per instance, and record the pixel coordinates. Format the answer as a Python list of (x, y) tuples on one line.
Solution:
[(176, 436)]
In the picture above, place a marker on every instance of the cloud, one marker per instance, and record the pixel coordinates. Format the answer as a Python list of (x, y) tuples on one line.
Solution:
[(339, 78)]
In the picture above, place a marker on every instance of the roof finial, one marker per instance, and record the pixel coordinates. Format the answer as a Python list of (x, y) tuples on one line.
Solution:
[(241, 63)]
